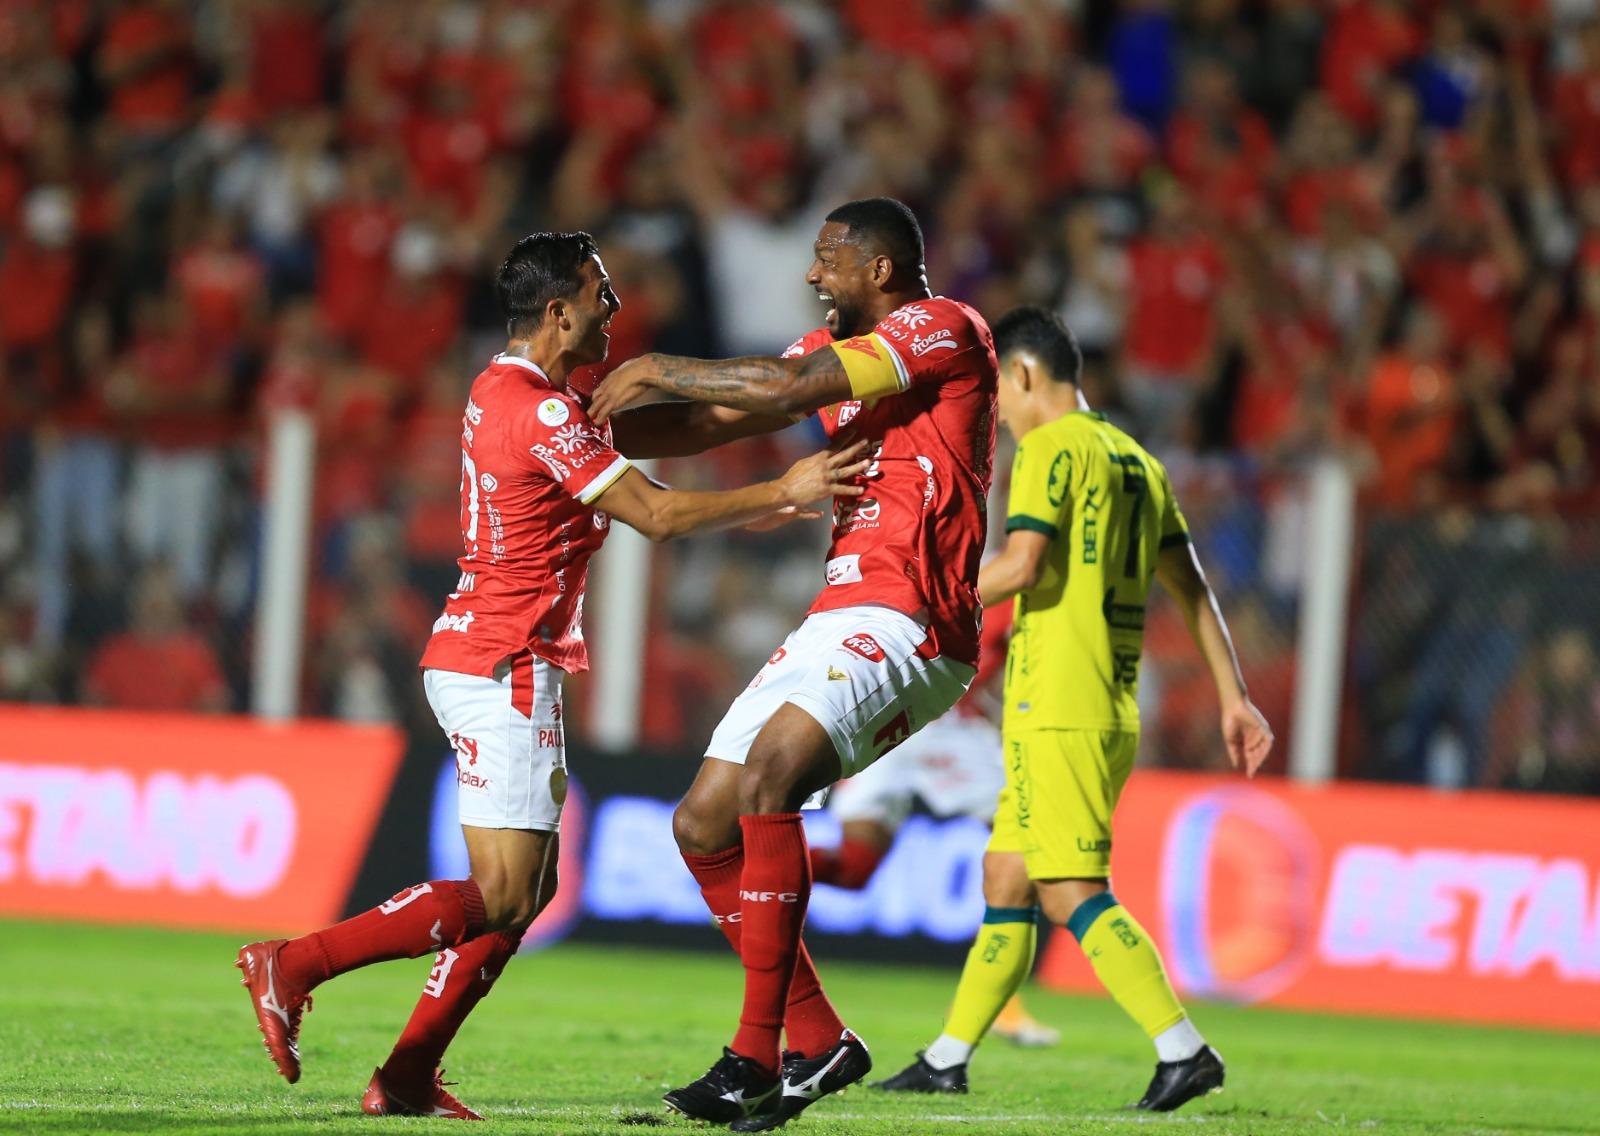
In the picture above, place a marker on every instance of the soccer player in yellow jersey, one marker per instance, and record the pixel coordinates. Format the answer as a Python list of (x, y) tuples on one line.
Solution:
[(1092, 521)]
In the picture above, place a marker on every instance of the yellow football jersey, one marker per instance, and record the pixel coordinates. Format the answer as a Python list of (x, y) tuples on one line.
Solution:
[(1108, 508)]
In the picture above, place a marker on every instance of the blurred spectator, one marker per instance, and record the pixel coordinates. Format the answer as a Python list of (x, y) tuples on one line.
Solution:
[(1282, 230), (159, 662), (1559, 720)]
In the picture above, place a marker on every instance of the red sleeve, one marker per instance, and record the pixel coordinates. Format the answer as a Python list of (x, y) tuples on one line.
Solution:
[(807, 343), (932, 338), (577, 453)]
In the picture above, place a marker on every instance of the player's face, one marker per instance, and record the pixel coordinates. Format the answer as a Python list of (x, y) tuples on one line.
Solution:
[(592, 309), (842, 277)]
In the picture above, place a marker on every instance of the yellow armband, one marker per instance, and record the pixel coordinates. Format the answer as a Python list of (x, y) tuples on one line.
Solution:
[(875, 369)]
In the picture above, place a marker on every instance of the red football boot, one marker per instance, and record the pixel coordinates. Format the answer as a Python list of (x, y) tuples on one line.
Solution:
[(278, 1006), (425, 1099)]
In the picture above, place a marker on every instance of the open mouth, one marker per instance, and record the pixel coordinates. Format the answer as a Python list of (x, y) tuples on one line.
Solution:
[(833, 311)]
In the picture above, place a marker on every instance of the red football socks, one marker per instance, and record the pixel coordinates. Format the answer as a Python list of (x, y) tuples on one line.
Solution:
[(810, 1023), (426, 917), (850, 865), (773, 893), (460, 978)]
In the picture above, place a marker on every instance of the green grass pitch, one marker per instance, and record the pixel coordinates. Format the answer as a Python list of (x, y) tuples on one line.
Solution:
[(147, 1031)]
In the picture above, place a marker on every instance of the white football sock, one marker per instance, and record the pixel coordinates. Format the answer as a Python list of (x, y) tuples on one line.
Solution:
[(1179, 1042), (947, 1051)]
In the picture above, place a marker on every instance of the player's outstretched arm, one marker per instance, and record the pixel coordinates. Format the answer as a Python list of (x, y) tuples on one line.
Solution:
[(661, 513), (683, 429), (1018, 567), (1244, 730), (756, 383)]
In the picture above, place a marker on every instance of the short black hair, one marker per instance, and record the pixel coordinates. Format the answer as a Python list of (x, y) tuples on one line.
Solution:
[(539, 268), (884, 226), (1043, 333)]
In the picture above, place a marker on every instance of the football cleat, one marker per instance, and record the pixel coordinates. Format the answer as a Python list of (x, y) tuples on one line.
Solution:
[(278, 1006), (1176, 1083), (426, 1099), (730, 1090), (920, 1077), (807, 1080), (1022, 1029)]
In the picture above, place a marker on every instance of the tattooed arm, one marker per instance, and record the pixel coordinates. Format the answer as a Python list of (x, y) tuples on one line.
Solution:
[(682, 429), (757, 384)]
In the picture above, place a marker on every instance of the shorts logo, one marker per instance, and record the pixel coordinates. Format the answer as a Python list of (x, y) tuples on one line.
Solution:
[(465, 747), (551, 739), (897, 731), (836, 675), (777, 656), (865, 646), (843, 569), (553, 412)]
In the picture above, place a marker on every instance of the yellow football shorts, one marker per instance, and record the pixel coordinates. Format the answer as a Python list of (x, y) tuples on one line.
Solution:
[(1061, 789)]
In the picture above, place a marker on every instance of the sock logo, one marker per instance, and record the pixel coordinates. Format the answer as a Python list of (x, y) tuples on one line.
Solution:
[(769, 896), (996, 944), (440, 974), (410, 895), (1125, 933)]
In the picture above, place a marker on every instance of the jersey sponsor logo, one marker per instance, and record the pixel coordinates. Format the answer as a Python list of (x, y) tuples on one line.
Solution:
[(487, 480), (474, 413), (863, 344), (448, 622), (843, 569), (868, 509), (769, 896), (848, 411), (559, 469), (1060, 473), (911, 317), (794, 350), (865, 646), (943, 339), (553, 412)]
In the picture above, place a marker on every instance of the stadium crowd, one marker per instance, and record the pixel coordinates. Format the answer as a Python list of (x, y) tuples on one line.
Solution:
[(1280, 229)]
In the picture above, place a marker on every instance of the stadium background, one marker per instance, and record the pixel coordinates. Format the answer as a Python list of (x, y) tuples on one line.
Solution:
[(1353, 245)]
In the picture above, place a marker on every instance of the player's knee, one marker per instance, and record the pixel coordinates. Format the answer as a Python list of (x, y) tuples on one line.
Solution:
[(515, 902), (776, 780), (699, 832)]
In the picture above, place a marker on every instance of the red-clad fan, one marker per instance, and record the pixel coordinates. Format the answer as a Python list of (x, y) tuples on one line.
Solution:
[(890, 644), (539, 482)]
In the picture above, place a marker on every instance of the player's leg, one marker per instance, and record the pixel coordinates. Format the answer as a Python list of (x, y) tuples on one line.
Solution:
[(870, 807), (516, 870), (511, 782), (1073, 779), (999, 961)]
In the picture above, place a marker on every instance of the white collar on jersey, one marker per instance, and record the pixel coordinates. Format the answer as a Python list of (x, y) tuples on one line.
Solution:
[(519, 361)]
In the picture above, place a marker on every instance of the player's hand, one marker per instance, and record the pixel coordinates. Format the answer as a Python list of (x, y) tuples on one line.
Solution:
[(827, 473), (622, 386), (1246, 734), (780, 517)]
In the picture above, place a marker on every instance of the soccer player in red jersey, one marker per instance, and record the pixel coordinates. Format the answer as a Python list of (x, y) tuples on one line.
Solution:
[(539, 482), (889, 645)]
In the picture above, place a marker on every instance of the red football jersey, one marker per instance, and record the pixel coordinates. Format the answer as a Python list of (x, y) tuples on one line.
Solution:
[(914, 539), (532, 464)]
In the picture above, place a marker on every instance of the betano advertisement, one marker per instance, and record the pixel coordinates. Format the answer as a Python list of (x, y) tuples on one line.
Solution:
[(1368, 899), (222, 823)]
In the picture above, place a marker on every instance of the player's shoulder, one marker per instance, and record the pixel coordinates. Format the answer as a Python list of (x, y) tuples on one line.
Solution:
[(808, 343), (935, 326)]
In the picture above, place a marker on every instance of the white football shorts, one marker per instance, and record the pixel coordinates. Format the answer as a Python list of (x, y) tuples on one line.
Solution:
[(954, 766), (857, 671), (511, 754)]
